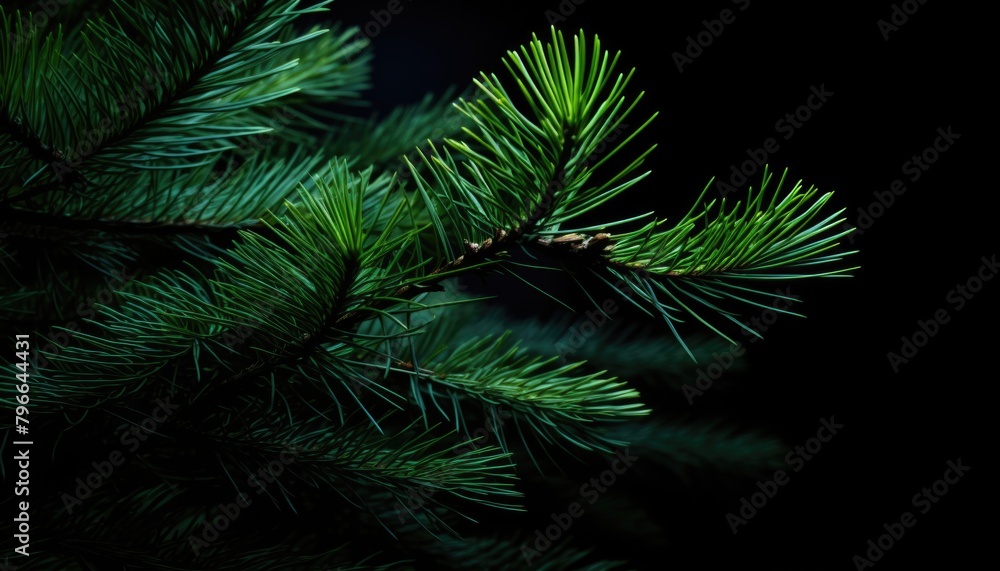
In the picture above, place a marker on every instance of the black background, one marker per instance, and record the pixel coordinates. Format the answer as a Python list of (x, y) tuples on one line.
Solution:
[(889, 99)]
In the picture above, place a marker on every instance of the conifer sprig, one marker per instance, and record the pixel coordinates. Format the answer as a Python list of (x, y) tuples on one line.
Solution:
[(556, 402), (518, 177), (309, 330), (149, 105)]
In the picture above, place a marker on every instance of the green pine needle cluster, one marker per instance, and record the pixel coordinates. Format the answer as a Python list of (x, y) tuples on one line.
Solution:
[(197, 214)]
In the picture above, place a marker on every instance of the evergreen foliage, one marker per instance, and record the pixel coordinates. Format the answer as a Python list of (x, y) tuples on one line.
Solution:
[(273, 275)]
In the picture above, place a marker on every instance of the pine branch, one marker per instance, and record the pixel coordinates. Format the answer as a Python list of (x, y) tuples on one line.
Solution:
[(609, 343), (554, 403), (352, 458), (524, 175), (515, 174), (494, 191), (151, 533), (258, 274), (185, 117), (310, 331), (677, 270), (382, 141)]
